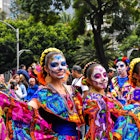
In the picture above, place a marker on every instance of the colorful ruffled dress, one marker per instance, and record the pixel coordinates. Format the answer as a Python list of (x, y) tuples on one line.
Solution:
[(127, 126), (56, 119), (119, 88), (97, 111), (63, 113)]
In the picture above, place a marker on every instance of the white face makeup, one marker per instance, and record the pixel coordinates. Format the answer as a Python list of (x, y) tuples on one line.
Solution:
[(57, 66), (99, 77), (121, 68)]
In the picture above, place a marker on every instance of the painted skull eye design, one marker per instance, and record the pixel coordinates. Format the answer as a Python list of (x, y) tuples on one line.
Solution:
[(122, 65), (99, 77), (55, 64)]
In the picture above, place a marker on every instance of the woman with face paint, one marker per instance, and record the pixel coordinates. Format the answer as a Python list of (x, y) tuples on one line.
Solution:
[(53, 113), (120, 85), (57, 102), (97, 107), (127, 126)]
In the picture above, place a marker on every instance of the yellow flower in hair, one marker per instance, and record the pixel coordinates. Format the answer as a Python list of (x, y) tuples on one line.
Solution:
[(45, 52)]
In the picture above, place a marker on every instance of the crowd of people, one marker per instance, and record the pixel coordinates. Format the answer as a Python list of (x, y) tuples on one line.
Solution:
[(44, 103)]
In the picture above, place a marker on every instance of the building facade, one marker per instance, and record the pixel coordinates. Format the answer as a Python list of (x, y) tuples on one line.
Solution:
[(5, 7)]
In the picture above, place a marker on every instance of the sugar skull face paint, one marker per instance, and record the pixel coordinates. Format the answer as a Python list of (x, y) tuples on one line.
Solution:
[(121, 67), (99, 77), (57, 66)]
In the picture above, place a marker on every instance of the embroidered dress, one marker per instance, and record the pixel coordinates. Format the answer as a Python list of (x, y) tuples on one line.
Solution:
[(97, 111), (119, 88), (67, 109), (22, 121), (25, 123), (127, 126)]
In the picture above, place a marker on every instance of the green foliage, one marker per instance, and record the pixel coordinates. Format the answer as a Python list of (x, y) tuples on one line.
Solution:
[(132, 41), (16, 10), (2, 15), (106, 17), (35, 37), (87, 51), (45, 10)]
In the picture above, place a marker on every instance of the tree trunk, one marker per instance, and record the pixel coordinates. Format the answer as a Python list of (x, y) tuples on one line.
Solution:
[(98, 42)]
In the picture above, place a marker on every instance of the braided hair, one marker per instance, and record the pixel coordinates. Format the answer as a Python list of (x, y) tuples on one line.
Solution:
[(43, 60), (87, 71)]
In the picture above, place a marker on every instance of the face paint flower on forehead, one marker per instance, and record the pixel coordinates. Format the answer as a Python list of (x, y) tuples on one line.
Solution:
[(58, 66), (99, 77)]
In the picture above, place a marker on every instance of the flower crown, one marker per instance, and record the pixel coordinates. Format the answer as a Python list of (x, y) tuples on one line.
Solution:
[(122, 58), (45, 52), (132, 65)]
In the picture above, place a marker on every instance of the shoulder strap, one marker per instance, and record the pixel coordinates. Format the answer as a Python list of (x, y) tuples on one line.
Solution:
[(68, 89)]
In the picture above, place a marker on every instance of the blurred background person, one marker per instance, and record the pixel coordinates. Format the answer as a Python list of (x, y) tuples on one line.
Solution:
[(111, 73), (2, 80), (16, 77), (77, 81), (14, 90), (33, 87), (22, 66)]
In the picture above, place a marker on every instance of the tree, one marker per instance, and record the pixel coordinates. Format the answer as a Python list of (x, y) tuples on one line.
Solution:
[(2, 15), (96, 13), (132, 42), (88, 53), (35, 37), (46, 11), (16, 10)]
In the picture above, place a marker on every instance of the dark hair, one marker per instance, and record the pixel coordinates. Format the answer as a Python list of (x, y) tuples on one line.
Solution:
[(110, 70), (22, 66), (77, 68), (13, 84), (88, 69), (2, 86)]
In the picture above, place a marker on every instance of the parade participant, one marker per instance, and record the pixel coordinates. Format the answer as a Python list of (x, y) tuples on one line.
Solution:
[(119, 85), (58, 98), (127, 126), (58, 108), (96, 105)]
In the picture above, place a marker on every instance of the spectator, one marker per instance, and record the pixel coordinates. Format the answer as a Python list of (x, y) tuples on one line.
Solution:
[(15, 90), (77, 81), (33, 87), (21, 86), (22, 66), (2, 80), (111, 74), (23, 80)]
